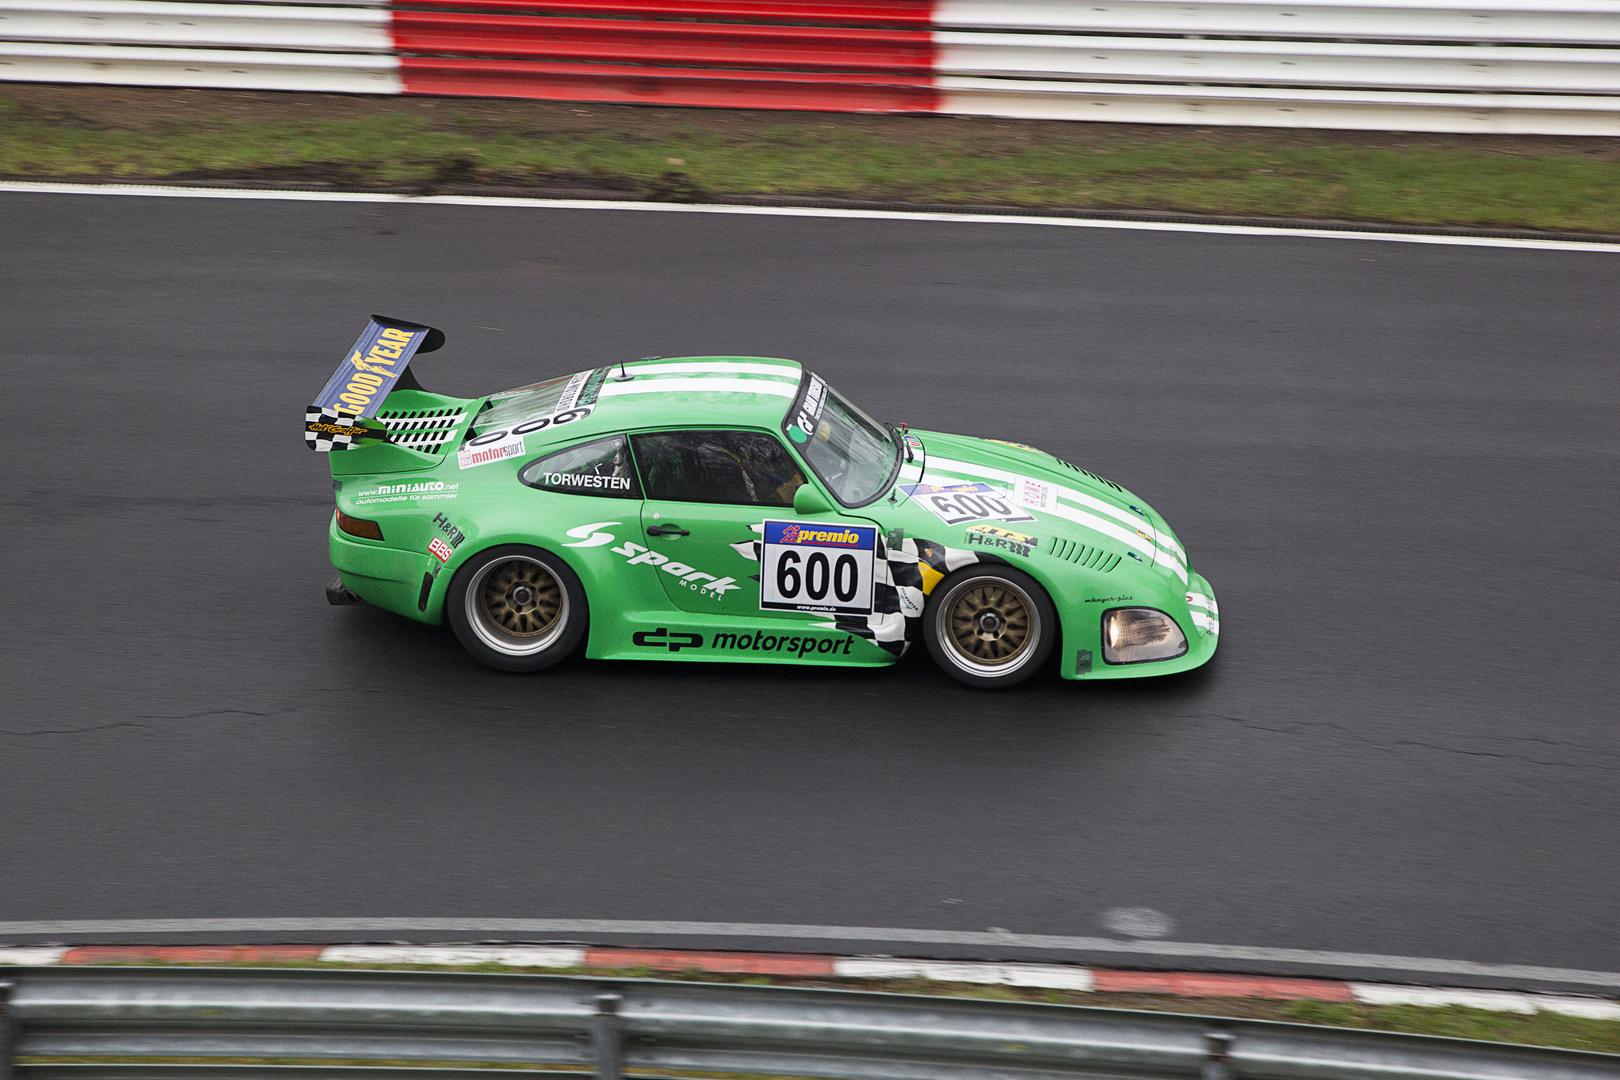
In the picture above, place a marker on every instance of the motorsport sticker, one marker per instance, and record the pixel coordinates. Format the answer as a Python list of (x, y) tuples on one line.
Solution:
[(956, 504), (820, 566), (993, 536), (439, 550), (798, 646), (417, 491), (496, 446), (661, 638)]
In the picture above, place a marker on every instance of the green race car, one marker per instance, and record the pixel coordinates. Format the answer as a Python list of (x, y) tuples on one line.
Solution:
[(737, 509)]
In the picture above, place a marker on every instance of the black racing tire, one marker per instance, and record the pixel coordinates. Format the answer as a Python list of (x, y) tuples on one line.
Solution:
[(989, 626), (517, 608)]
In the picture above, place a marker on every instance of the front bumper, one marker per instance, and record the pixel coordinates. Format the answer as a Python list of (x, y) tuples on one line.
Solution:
[(1200, 621)]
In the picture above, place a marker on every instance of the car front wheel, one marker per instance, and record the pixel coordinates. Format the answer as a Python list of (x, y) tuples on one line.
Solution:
[(989, 626), (517, 608)]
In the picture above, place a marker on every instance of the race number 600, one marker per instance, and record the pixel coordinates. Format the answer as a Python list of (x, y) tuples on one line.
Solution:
[(817, 567)]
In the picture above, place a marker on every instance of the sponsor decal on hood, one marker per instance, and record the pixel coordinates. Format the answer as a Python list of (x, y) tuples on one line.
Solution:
[(992, 536), (1029, 493), (959, 503)]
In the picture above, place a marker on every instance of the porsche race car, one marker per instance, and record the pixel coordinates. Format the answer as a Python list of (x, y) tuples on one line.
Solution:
[(725, 508)]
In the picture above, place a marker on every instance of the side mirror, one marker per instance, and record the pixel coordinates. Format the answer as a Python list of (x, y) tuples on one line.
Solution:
[(807, 501)]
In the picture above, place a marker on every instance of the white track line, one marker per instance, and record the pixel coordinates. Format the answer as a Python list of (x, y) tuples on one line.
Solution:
[(554, 956), (155, 191), (1049, 976), (576, 928), (1052, 976), (1498, 1000), (29, 957)]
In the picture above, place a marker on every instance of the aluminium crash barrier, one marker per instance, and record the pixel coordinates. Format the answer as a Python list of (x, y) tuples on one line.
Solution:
[(606, 1027), (1520, 66)]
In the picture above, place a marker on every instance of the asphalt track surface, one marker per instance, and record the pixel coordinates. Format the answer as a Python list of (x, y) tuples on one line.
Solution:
[(1396, 464)]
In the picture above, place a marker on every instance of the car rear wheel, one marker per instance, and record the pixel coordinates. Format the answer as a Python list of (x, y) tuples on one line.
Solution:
[(517, 608), (989, 626)]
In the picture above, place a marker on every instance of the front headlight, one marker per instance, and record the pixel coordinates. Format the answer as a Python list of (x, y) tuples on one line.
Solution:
[(1134, 634)]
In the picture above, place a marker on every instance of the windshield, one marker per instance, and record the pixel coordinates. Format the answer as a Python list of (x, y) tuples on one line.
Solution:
[(853, 454)]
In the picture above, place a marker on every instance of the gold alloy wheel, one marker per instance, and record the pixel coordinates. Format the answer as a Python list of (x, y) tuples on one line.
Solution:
[(988, 625), (517, 606)]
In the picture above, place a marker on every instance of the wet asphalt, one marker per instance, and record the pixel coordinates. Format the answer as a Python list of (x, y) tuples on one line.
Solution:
[(1395, 463)]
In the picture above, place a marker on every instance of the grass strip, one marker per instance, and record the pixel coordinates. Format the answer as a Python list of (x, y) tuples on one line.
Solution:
[(1336, 176), (1456, 1021)]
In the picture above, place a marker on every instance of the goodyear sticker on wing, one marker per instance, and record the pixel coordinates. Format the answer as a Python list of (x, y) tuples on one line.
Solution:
[(372, 368)]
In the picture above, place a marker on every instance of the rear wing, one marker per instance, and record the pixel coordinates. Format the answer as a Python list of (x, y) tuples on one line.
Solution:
[(375, 367)]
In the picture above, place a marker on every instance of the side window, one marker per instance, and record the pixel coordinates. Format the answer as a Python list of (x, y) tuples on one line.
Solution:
[(600, 467), (749, 468)]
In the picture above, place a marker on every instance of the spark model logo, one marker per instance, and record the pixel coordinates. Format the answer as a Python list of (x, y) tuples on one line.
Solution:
[(588, 537)]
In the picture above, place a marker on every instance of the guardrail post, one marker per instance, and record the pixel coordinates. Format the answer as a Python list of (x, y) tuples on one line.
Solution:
[(6, 1031), (1217, 1056), (607, 1038)]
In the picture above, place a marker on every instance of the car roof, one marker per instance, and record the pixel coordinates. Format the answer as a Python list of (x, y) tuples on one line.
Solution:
[(685, 391)]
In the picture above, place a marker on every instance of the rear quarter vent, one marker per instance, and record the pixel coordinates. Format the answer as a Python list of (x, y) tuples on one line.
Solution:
[(425, 430)]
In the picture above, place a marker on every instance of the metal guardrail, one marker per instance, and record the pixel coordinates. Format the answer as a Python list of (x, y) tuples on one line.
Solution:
[(1548, 66), (329, 28), (1522, 22), (608, 1026), (1526, 66), (334, 46)]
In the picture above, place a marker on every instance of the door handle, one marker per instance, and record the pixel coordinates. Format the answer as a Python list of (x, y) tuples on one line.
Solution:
[(667, 530)]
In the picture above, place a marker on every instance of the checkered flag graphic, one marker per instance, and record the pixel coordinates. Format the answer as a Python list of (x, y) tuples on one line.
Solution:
[(906, 574), (328, 429)]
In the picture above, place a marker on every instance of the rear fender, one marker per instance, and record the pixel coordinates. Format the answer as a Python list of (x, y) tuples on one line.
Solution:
[(612, 586)]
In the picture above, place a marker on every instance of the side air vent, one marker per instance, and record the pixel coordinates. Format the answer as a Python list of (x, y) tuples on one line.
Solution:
[(1087, 472), (426, 430), (1092, 558)]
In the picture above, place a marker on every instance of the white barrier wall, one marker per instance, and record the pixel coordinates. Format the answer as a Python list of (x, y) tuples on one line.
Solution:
[(1562, 22), (1513, 66), (341, 48), (1516, 66)]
